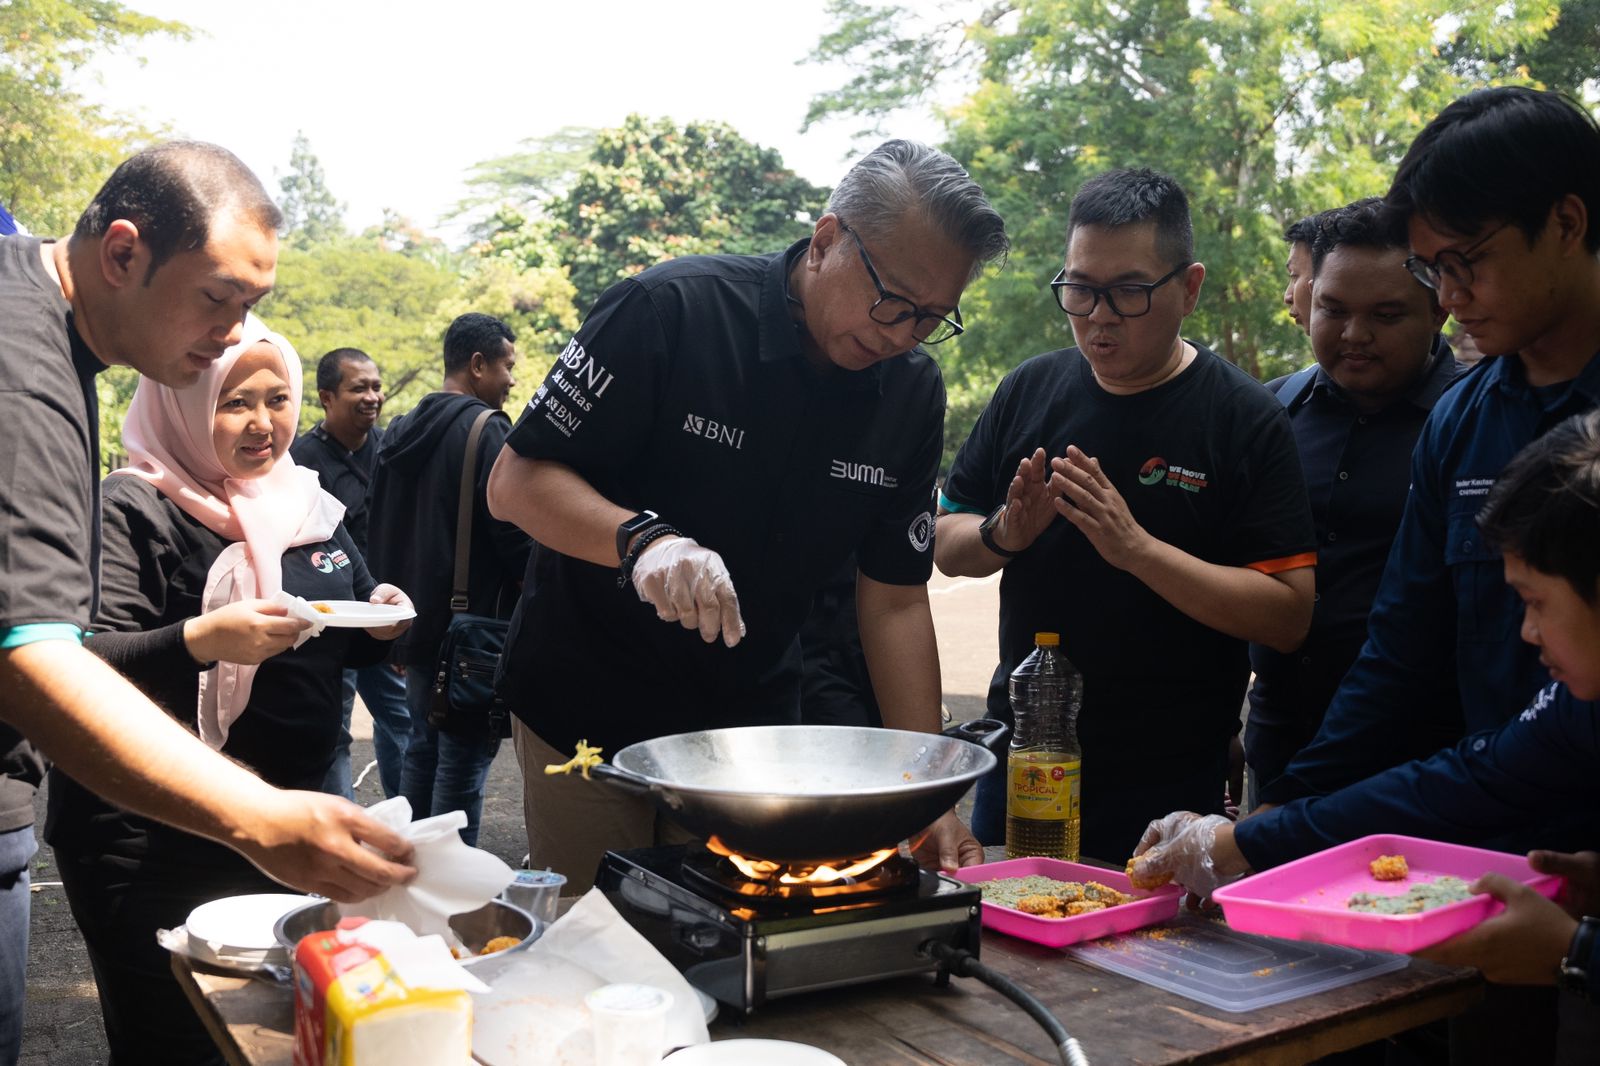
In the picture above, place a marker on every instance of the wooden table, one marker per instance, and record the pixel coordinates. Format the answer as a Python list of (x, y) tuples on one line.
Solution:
[(912, 1021)]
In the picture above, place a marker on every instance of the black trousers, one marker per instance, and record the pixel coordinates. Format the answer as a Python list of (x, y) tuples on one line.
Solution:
[(119, 902)]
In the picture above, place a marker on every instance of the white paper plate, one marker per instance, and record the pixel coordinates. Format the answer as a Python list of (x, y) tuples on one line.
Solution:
[(238, 930), (358, 614), (744, 1052)]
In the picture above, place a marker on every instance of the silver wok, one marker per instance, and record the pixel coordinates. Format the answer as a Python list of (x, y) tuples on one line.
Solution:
[(806, 794)]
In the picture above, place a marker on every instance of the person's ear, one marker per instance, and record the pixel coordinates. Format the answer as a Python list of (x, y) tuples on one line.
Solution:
[(478, 366), (122, 254), (824, 237), (323, 397), (1571, 218), (1193, 277)]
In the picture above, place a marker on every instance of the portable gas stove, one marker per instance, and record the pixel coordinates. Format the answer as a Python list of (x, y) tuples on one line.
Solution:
[(745, 938)]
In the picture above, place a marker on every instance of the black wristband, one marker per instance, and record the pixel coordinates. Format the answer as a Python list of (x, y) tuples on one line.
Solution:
[(1578, 969), (986, 533), (649, 536)]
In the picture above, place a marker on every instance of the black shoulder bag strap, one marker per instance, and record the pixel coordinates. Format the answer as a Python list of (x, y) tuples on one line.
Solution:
[(464, 500)]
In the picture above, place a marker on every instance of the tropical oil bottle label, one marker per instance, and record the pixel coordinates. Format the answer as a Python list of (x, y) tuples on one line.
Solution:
[(1044, 791)]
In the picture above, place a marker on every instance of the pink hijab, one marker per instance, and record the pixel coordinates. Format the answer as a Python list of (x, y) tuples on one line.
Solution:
[(167, 433)]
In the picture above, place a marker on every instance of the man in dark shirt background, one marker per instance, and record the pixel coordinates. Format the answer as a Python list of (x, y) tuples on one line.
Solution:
[(415, 490), (343, 449), (1356, 413)]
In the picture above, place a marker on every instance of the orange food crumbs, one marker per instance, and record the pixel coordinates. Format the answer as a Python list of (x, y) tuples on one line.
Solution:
[(1389, 868)]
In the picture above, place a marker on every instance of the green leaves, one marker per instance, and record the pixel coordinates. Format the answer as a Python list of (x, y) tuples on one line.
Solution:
[(1266, 110)]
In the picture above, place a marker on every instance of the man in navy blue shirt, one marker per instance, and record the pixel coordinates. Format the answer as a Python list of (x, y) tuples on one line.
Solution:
[(1356, 414), (1512, 257), (1544, 513)]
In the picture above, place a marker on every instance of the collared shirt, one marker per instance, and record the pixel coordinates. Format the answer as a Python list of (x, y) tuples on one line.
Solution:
[(687, 392), (1506, 783), (344, 473), (49, 486), (1358, 470), (1442, 657)]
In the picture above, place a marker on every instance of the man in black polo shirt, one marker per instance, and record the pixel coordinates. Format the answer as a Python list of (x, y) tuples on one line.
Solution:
[(1356, 413), (175, 248), (776, 412), (1170, 527), (343, 450)]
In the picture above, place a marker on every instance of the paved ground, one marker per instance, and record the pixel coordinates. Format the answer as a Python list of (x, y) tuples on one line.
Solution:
[(62, 1025)]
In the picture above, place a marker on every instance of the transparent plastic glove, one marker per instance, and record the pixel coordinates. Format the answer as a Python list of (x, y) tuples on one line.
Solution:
[(1181, 847), (690, 585)]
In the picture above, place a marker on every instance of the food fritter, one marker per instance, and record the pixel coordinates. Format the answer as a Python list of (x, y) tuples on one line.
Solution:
[(1418, 898), (499, 943), (1146, 883), (1045, 897), (322, 608), (1389, 868)]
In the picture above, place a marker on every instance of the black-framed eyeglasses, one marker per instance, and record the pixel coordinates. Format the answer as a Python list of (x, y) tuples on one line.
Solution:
[(1457, 266), (1130, 299), (892, 309)]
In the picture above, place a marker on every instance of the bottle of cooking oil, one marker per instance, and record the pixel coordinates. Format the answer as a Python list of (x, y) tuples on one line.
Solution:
[(1045, 762)]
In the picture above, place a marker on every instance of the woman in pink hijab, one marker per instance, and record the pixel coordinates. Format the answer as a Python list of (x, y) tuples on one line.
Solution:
[(207, 534)]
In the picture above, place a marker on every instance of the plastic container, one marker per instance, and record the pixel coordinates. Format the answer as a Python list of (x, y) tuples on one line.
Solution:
[(1044, 764), (1307, 899), (238, 930), (537, 892), (630, 1024), (1207, 962), (1155, 907)]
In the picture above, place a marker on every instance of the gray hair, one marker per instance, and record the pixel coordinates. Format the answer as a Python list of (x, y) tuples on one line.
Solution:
[(902, 176)]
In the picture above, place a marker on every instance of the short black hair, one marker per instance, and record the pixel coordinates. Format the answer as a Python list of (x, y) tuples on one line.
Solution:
[(1505, 154), (474, 332), (172, 192), (1133, 195), (330, 368), (1302, 231), (1365, 223), (1545, 506)]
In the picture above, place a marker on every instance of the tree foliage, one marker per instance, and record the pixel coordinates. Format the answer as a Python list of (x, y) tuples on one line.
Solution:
[(311, 213), (1265, 110), (55, 147), (651, 190)]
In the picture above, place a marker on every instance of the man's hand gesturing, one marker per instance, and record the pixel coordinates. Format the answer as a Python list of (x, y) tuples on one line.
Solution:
[(1028, 509)]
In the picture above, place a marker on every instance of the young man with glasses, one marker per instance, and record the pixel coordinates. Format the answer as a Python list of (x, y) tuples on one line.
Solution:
[(720, 435), (1144, 499)]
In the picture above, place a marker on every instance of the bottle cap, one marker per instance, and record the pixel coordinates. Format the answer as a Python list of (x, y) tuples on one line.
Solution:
[(1047, 640)]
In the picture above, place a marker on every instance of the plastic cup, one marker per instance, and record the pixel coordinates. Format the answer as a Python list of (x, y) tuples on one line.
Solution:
[(536, 891), (630, 1024)]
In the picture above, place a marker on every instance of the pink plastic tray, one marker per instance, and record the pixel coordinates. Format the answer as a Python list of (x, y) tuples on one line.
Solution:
[(1157, 906), (1306, 899)]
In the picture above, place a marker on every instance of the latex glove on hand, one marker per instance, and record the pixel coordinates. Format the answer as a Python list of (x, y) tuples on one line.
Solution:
[(1197, 851), (690, 585)]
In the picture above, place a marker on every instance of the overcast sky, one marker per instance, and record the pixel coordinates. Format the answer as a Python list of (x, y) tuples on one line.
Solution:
[(401, 98)]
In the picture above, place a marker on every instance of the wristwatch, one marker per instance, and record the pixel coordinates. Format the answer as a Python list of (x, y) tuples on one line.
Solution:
[(986, 533), (625, 532), (1577, 971)]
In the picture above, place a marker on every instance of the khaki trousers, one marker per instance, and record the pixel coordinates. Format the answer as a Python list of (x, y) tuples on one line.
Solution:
[(571, 822)]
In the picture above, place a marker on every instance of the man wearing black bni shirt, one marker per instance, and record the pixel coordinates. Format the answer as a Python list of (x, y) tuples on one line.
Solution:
[(726, 430), (175, 248), (1144, 498)]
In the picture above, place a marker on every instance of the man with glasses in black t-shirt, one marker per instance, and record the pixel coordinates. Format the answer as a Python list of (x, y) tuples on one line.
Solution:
[(1145, 501), (721, 434)]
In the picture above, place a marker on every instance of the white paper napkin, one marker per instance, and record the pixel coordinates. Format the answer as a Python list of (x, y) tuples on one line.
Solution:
[(419, 961), (298, 607), (452, 878), (535, 1013)]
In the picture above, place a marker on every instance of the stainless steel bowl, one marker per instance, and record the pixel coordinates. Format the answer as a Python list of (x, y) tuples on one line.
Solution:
[(475, 928)]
